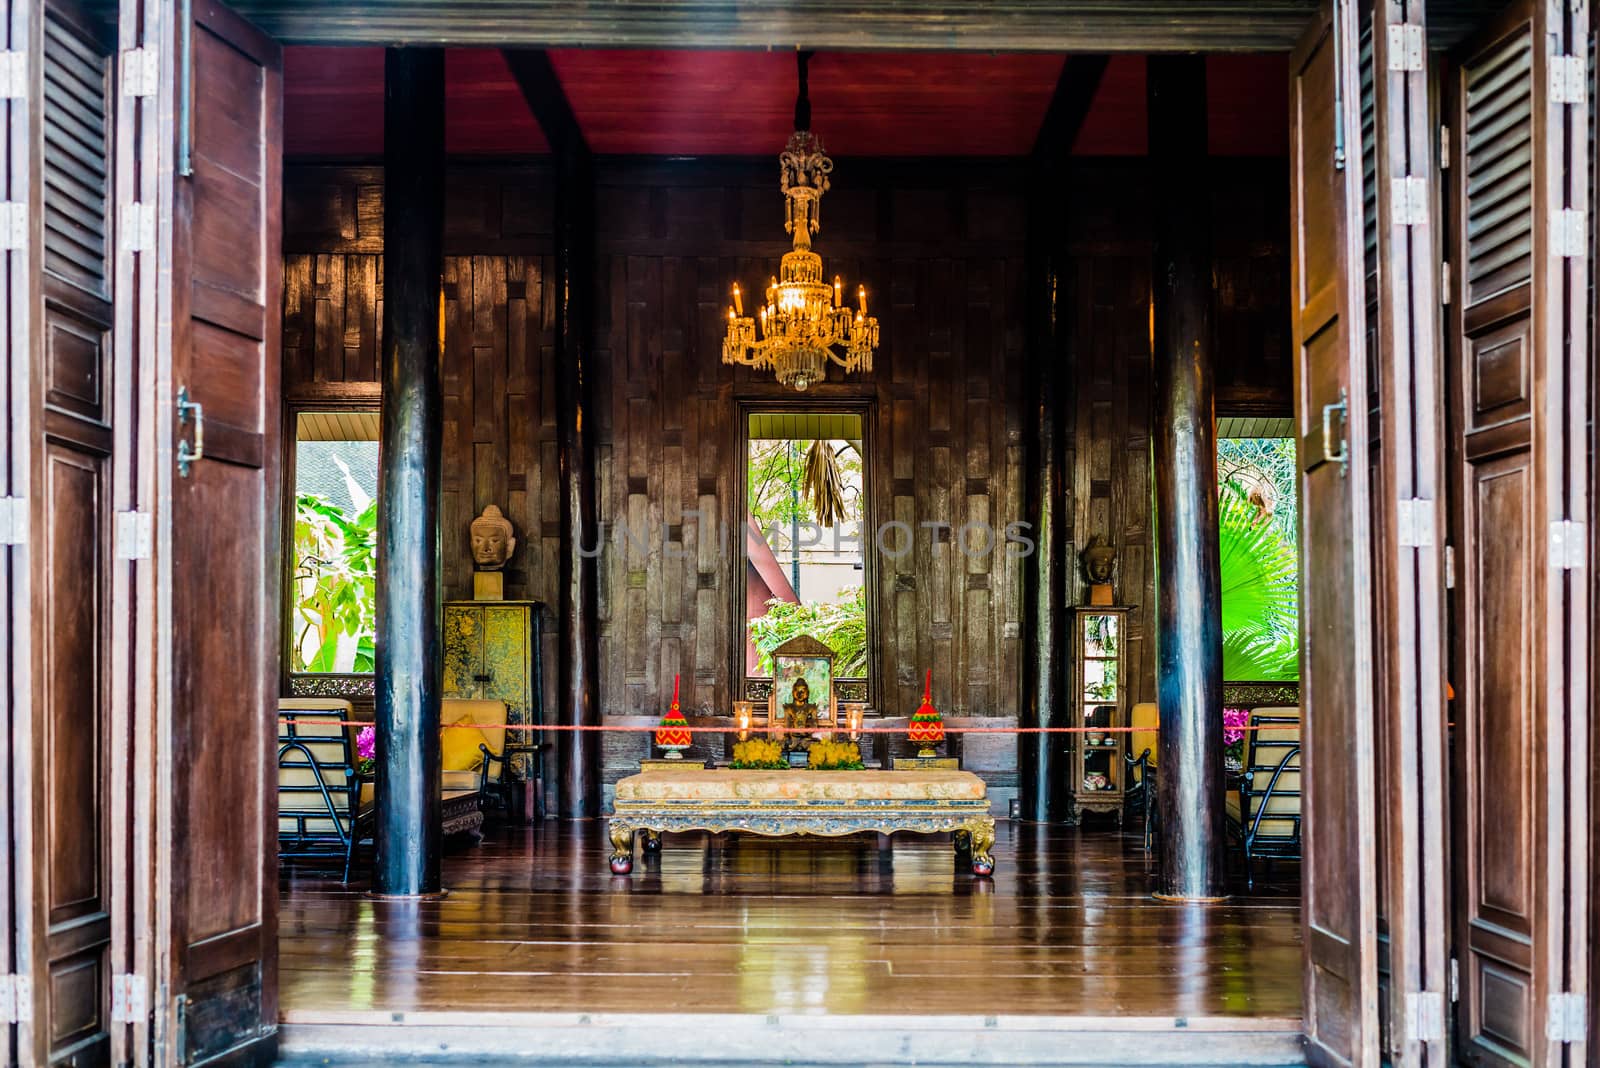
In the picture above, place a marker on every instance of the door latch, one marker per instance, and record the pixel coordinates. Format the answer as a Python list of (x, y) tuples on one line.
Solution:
[(189, 453), (1342, 457)]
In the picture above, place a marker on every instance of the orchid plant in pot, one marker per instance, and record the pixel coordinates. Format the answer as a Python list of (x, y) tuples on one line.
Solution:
[(1235, 722)]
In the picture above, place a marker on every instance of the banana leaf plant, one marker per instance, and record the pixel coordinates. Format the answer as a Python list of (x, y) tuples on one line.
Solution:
[(335, 593), (841, 626)]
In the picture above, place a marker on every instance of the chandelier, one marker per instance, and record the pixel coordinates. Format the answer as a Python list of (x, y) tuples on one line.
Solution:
[(803, 323)]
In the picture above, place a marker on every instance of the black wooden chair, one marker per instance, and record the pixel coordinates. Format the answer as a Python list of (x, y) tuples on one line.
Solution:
[(320, 811), (1142, 794), (1264, 813)]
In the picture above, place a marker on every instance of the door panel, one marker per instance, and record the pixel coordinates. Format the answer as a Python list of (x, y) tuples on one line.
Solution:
[(1518, 395), (1404, 398), (220, 573), (1336, 586)]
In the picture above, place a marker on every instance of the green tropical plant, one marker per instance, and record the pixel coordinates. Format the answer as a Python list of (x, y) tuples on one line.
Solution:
[(335, 591), (1260, 593), (841, 626)]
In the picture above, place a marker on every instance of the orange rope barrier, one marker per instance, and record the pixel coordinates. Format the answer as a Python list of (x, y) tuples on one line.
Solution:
[(764, 729)]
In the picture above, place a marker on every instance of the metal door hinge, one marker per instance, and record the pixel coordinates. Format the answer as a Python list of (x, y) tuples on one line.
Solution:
[(1407, 48), (141, 72), (134, 536), (1409, 197), (1567, 545), (1569, 237), (1566, 1018), (13, 521), (1444, 148), (1450, 584), (1444, 282), (1424, 1016), (1455, 968), (130, 999), (1567, 80), (16, 999), (13, 225), (1414, 517), (13, 75), (138, 227)]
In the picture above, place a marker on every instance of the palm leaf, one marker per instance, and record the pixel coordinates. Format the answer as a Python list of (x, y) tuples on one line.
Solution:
[(1260, 592), (823, 485)]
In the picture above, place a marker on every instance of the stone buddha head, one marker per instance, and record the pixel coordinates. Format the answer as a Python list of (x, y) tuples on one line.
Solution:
[(492, 540)]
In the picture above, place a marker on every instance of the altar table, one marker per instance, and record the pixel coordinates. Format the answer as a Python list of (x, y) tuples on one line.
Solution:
[(801, 802)]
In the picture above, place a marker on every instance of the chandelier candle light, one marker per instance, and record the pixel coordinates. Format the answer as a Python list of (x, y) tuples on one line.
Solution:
[(803, 322)]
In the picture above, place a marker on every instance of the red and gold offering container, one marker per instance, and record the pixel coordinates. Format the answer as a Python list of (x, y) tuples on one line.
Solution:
[(672, 734), (927, 725)]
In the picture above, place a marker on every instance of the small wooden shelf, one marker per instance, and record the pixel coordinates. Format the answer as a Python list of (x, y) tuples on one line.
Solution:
[(1100, 700)]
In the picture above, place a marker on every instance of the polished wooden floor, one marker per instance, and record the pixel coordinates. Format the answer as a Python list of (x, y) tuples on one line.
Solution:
[(535, 921)]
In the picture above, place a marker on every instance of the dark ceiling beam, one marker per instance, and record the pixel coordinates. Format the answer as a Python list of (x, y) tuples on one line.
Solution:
[(1069, 106), (541, 88)]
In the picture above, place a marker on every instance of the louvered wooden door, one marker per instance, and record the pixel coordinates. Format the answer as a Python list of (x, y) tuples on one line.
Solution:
[(64, 775), (1404, 385), (1336, 591), (1517, 403)]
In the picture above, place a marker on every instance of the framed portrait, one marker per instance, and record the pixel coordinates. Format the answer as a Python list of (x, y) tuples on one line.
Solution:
[(802, 684)]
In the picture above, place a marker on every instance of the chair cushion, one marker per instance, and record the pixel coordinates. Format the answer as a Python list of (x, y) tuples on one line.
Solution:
[(699, 784), (458, 780), (1230, 804), (1143, 718), (460, 748)]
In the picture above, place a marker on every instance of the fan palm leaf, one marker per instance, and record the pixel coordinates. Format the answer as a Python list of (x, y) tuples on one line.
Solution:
[(1260, 592)]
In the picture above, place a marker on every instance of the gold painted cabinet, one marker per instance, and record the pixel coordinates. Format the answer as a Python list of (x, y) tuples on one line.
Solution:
[(491, 651)]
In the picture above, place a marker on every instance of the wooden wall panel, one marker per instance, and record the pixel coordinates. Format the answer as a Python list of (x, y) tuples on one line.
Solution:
[(942, 257)]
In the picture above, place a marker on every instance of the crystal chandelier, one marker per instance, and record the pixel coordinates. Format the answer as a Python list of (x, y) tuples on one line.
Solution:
[(803, 323)]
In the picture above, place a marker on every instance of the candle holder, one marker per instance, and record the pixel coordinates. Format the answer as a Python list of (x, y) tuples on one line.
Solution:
[(742, 712)]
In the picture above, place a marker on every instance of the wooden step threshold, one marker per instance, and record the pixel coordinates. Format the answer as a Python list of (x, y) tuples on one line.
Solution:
[(710, 1038)]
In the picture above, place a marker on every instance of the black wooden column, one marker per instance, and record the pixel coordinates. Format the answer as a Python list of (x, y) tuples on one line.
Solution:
[(578, 752), (1045, 759), (408, 652), (1184, 447)]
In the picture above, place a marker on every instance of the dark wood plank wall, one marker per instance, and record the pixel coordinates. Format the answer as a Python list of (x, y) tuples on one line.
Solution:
[(941, 253)]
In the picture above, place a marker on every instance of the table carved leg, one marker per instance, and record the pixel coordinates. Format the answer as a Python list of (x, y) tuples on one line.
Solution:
[(651, 840), (621, 848), (963, 843), (981, 835)]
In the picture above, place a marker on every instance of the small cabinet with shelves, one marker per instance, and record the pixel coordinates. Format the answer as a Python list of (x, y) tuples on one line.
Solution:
[(1100, 696)]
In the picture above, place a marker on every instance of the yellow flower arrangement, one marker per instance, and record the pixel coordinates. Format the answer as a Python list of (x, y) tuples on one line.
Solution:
[(758, 753), (835, 756)]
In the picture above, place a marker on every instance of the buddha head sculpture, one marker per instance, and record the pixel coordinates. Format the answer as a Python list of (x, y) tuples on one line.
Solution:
[(1098, 559), (492, 540)]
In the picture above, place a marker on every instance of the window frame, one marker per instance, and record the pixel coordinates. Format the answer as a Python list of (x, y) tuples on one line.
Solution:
[(351, 397), (866, 409)]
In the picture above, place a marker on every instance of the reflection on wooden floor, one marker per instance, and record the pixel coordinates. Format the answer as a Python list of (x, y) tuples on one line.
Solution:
[(535, 922)]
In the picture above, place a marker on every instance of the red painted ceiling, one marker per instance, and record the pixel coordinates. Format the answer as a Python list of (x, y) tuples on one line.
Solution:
[(742, 103)]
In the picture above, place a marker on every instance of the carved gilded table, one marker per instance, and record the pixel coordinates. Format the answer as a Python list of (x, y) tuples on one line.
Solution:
[(801, 802)]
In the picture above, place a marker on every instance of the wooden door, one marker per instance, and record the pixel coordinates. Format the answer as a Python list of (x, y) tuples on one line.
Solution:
[(66, 732), (1518, 403), (1406, 457), (1339, 905), (217, 545)]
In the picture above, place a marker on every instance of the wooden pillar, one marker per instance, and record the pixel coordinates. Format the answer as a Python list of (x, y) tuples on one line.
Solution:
[(1184, 447), (408, 650), (1045, 759), (580, 536), (577, 703)]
